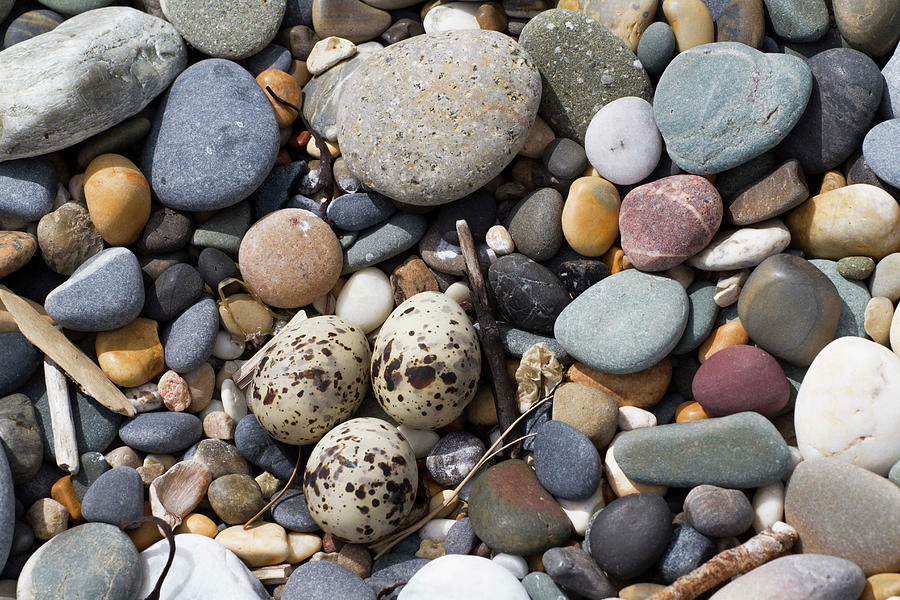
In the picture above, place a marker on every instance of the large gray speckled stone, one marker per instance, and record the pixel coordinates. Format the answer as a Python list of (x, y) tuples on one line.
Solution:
[(583, 66), (803, 21), (881, 150), (750, 102), (469, 99), (56, 93), (800, 576), (226, 29)]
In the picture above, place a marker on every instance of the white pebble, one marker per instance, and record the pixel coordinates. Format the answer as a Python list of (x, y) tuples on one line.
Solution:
[(452, 16), (436, 530), (513, 563), (499, 240), (580, 511), (366, 300), (227, 347), (632, 417), (460, 293), (743, 248), (728, 287), (421, 440), (233, 401), (768, 505), (144, 398), (327, 53), (622, 141)]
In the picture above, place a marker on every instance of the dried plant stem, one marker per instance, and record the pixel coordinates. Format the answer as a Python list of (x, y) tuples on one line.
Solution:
[(768, 544), (279, 494)]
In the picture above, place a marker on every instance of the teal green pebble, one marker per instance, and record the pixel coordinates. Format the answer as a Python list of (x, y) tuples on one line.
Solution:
[(73, 7), (701, 316), (540, 587), (798, 21), (625, 323), (225, 230), (853, 295), (740, 451), (719, 105), (855, 267), (656, 47)]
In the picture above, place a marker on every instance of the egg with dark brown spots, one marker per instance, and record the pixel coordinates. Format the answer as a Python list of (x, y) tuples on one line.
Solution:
[(426, 362), (313, 377), (360, 480)]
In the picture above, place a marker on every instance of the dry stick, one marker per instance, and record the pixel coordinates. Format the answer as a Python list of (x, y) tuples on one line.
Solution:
[(768, 544), (65, 445), (504, 394), (170, 537), (64, 353), (242, 376), (280, 494)]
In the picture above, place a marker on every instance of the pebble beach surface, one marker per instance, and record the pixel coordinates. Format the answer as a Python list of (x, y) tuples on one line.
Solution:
[(453, 300)]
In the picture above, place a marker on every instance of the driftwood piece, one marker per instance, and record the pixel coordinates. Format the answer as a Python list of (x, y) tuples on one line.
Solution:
[(65, 354), (504, 394), (244, 374), (273, 575), (65, 445)]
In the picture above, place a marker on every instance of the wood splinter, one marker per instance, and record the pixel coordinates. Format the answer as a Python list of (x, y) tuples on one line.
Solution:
[(65, 444), (767, 545)]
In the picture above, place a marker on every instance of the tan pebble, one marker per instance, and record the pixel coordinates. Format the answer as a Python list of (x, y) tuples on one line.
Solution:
[(327, 53), (166, 460), (729, 334), (149, 473), (131, 355), (499, 240), (538, 138), (268, 484), (626, 18), (683, 274), (832, 180), (201, 384), (482, 410), (64, 492), (491, 16), (589, 409), (118, 198), (881, 586), (411, 278), (259, 545), (47, 518), (313, 149), (728, 287), (123, 456), (219, 426), (691, 23), (174, 390), (640, 591), (286, 88), (356, 558), (690, 411), (199, 524), (642, 389), (620, 483), (146, 534), (878, 317), (302, 546), (227, 371), (178, 491), (300, 72), (429, 549)]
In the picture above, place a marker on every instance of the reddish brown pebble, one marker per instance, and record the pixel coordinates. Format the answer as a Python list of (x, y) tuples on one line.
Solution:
[(331, 543), (218, 425), (16, 249), (741, 378), (411, 278), (491, 16), (665, 222), (174, 390)]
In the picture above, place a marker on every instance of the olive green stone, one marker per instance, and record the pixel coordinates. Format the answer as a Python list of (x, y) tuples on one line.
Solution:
[(541, 587), (235, 498), (225, 230), (855, 267), (20, 437)]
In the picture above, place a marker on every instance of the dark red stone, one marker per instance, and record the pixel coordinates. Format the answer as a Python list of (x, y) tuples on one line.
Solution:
[(741, 378)]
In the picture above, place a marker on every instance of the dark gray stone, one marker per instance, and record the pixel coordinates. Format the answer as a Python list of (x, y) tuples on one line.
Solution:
[(272, 56), (188, 341), (460, 538), (688, 550), (517, 341), (323, 580), (718, 512), (355, 212), (23, 539), (117, 495), (399, 571), (383, 241), (161, 432), (479, 209), (453, 457), (166, 231), (631, 534), (565, 158), (214, 266), (575, 570), (292, 513), (93, 465), (535, 224), (882, 152), (225, 229), (534, 421), (260, 449), (20, 437), (297, 12), (38, 486), (274, 192), (177, 288), (27, 188), (580, 274), (214, 138), (20, 361), (566, 462), (528, 294)]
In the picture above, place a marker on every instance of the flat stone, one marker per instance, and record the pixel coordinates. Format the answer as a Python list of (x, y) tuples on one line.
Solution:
[(790, 308), (226, 30), (881, 151), (117, 495), (161, 432), (755, 100), (21, 360), (871, 27), (739, 451), (20, 437), (324, 580), (741, 378), (687, 551), (845, 96), (775, 193), (566, 462), (27, 188), (214, 138), (177, 288), (349, 19), (857, 268), (189, 339), (736, 179), (626, 323), (592, 68), (67, 238), (225, 230), (461, 577), (845, 511), (735, 249), (142, 55), (440, 162), (511, 512), (631, 534), (701, 316), (853, 296), (528, 294), (383, 241), (355, 212)]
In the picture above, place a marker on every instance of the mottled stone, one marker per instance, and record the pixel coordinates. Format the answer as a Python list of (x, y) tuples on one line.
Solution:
[(687, 551), (67, 238), (235, 498), (742, 21), (226, 30), (871, 26), (29, 25), (16, 249), (799, 576)]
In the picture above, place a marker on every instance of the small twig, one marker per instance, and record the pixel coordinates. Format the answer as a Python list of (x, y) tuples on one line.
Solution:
[(768, 544), (170, 537), (504, 394), (65, 444), (509, 445), (279, 494)]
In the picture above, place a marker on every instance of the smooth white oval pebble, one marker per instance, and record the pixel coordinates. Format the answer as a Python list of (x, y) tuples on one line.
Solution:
[(742, 248), (452, 16), (513, 563), (459, 292), (463, 577), (436, 530), (421, 440), (632, 417), (622, 141), (233, 402), (366, 300), (580, 511), (499, 240), (768, 505), (227, 347)]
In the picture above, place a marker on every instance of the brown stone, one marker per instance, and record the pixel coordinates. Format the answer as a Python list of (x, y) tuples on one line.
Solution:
[(118, 198), (131, 355), (286, 88), (690, 411), (642, 389), (774, 194), (349, 19), (742, 21), (64, 492), (588, 409), (491, 16), (201, 383), (411, 278), (67, 238), (218, 425), (870, 26), (729, 334), (16, 249), (243, 316), (300, 39)]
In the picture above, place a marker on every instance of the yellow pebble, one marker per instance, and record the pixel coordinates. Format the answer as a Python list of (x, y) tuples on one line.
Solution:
[(118, 198), (131, 355), (881, 586), (302, 546), (199, 524), (832, 181), (729, 334), (590, 217), (691, 23), (690, 411)]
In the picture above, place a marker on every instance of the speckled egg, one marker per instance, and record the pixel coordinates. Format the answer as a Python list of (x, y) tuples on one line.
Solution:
[(311, 379), (426, 362), (361, 480)]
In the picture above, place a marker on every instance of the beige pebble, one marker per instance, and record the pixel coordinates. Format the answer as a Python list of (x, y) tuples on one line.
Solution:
[(728, 287), (233, 401), (227, 371), (149, 473), (895, 333), (683, 274), (500, 241), (691, 23), (244, 317), (327, 53), (166, 460), (174, 391), (429, 549), (439, 499), (123, 456), (312, 148), (201, 382), (878, 318), (144, 398), (47, 518), (832, 180), (482, 410), (219, 426), (302, 546), (632, 417), (268, 484), (768, 505), (178, 491), (259, 545), (460, 293)]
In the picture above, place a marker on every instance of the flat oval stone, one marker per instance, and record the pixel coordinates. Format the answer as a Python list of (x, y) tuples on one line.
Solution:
[(591, 68), (527, 293), (442, 146), (361, 210), (20, 437), (735, 249), (665, 222), (845, 407), (773, 194), (622, 141), (106, 292), (176, 289), (383, 241), (625, 323), (881, 152), (738, 451), (225, 29), (27, 188), (161, 432), (701, 316), (225, 230), (630, 534), (845, 97), (846, 511), (789, 308), (566, 462), (511, 512), (142, 55), (741, 378), (754, 100), (214, 138), (117, 495), (189, 340), (535, 224), (21, 360), (799, 576)]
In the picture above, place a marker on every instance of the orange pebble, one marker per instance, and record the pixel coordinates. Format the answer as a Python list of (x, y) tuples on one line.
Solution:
[(299, 140), (199, 524), (64, 492), (286, 88), (729, 334), (690, 411), (146, 534), (614, 259)]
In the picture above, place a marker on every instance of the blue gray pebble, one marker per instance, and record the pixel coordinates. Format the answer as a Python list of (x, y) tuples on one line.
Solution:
[(161, 432), (27, 188), (190, 338), (117, 495)]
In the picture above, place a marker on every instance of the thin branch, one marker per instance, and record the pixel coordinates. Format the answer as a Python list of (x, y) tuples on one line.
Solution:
[(280, 494), (170, 537)]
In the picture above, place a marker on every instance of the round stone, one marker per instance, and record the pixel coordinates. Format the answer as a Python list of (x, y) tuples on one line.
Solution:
[(741, 378), (451, 459), (590, 410), (656, 47), (564, 158), (118, 198), (315, 253), (882, 152), (590, 216), (235, 498), (718, 512), (361, 210), (626, 323), (67, 238), (631, 534), (132, 355), (665, 222), (622, 141), (443, 146), (226, 30)]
